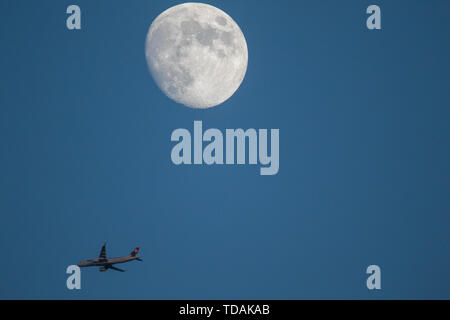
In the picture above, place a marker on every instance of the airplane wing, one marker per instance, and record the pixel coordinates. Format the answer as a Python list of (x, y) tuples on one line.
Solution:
[(115, 268), (103, 252)]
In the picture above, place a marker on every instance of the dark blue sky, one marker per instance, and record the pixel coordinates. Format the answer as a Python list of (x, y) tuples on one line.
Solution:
[(364, 155)]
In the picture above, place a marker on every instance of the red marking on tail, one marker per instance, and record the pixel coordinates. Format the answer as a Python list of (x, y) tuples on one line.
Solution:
[(135, 251)]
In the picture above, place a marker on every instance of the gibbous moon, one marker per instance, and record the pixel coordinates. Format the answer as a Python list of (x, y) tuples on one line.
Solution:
[(197, 54)]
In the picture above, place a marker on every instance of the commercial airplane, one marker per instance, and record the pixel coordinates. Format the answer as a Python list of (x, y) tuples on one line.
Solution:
[(107, 263)]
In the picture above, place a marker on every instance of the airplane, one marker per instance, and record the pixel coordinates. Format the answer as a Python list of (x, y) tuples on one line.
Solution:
[(107, 263)]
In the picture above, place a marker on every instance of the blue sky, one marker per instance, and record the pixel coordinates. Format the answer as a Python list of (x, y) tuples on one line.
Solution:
[(364, 156)]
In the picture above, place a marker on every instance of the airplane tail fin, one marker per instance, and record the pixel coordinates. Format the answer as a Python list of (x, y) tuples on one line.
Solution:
[(134, 252)]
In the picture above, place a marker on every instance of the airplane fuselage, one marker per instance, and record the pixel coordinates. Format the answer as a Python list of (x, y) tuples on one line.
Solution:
[(102, 262)]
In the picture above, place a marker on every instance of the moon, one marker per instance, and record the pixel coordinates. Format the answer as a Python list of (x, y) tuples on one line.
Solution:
[(196, 54)]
